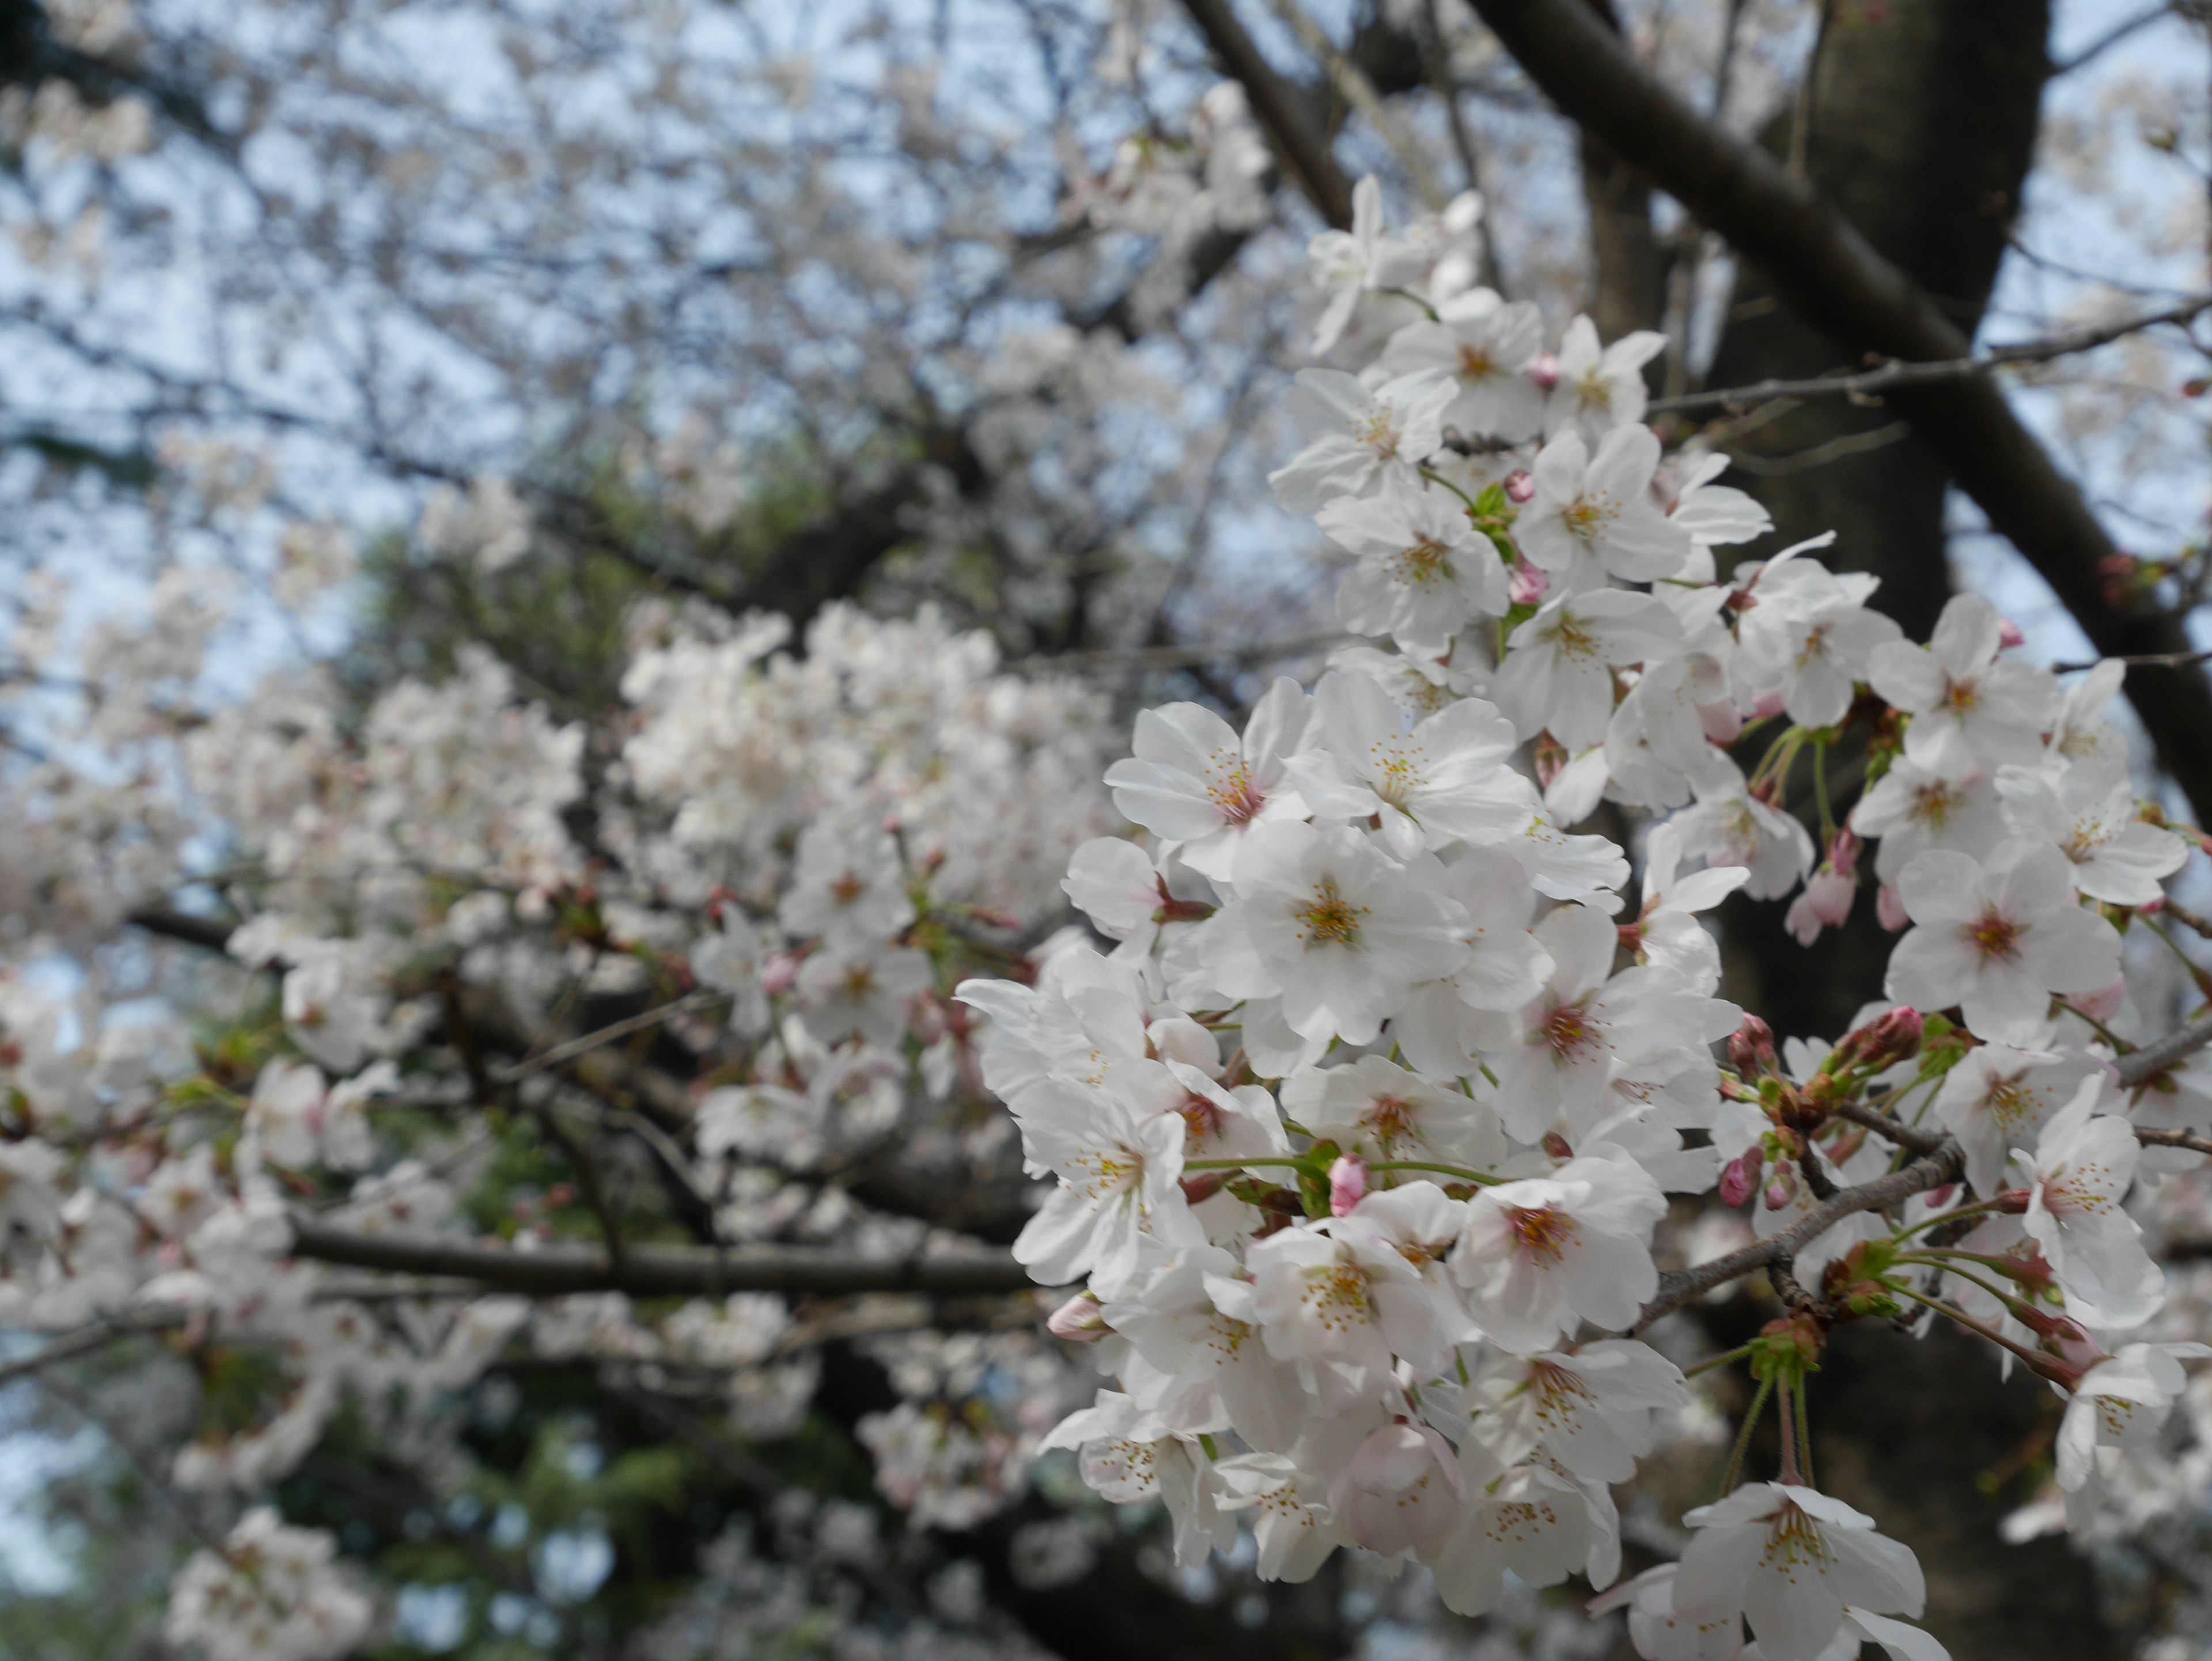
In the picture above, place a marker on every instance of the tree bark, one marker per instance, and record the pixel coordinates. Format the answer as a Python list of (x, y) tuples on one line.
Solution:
[(1920, 124)]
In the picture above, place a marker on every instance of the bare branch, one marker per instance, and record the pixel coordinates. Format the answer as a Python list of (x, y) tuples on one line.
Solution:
[(653, 1271), (1922, 1174), (1904, 1135), (1898, 372), (2142, 1066), (1359, 91), (689, 1002), (2188, 1140), (1180, 657)]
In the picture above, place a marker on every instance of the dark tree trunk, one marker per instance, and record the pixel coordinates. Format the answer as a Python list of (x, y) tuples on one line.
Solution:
[(1920, 123)]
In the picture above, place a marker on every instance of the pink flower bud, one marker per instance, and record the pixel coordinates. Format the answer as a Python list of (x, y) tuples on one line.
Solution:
[(1751, 1048), (1544, 370), (2101, 1005), (2008, 634), (779, 972), (1894, 1037), (1740, 1177), (1528, 584), (1889, 908), (2152, 907), (1939, 1197), (1843, 853), (1347, 1183), (1777, 1195), (1078, 1320), (1826, 902), (1520, 487), (1768, 706)]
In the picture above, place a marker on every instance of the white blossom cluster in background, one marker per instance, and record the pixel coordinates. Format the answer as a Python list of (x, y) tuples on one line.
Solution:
[(1362, 1129), (1358, 1110)]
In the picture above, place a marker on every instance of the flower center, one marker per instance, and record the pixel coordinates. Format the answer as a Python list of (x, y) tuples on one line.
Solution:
[(1994, 934), (1426, 562), (1203, 1118), (1232, 794), (1794, 1540), (1934, 803), (1543, 1232), (1391, 1120), (1336, 1297), (1329, 919), (1377, 429), (1587, 516), (1961, 697), (1570, 1032), (1571, 638), (847, 889)]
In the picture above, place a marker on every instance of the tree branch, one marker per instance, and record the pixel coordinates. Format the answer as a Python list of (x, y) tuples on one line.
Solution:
[(650, 1271), (1276, 105), (1899, 372), (2187, 1139), (1824, 270), (2142, 1066), (1677, 1289)]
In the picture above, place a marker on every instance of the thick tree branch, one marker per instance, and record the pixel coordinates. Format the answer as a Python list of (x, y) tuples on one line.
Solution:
[(1826, 271), (1278, 108), (2142, 1066), (649, 1271)]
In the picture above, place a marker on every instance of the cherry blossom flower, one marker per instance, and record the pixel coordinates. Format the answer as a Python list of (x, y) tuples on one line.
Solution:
[(1558, 677), (1533, 1520), (273, 1593), (1194, 783), (1485, 345), (1594, 515), (1292, 1524), (2077, 1181), (1329, 923), (1352, 264), (1118, 1181), (1791, 1560), (1913, 808), (1431, 782), (2122, 1401), (1730, 825), (1401, 1490), (1997, 938), (847, 888), (1591, 1410), (1374, 1107), (1421, 571), (2088, 812), (1540, 1254), (1359, 440), (1998, 1098), (1600, 387), (1966, 702)]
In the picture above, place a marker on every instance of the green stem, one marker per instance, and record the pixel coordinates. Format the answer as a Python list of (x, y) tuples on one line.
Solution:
[(1235, 1165), (1820, 796), (1973, 1326), (1407, 294), (1977, 1206), (1434, 478), (1743, 1436), (1460, 1171), (1707, 1366)]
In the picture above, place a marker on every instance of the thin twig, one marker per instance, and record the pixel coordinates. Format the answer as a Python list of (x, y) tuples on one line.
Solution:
[(1180, 657), (87, 1340), (2146, 661), (622, 1029), (1904, 1135), (657, 1270), (2188, 1140), (1897, 372), (1359, 91)]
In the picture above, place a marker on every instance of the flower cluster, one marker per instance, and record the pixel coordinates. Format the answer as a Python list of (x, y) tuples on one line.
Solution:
[(1361, 1132)]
